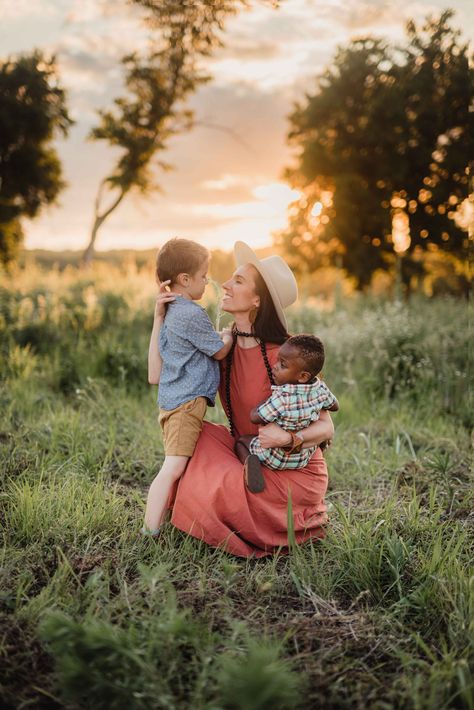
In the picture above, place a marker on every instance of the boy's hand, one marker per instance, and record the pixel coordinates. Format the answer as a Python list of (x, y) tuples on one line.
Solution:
[(226, 335), (227, 339), (162, 299)]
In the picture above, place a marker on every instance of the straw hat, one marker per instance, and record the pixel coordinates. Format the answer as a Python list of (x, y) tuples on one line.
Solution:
[(275, 272)]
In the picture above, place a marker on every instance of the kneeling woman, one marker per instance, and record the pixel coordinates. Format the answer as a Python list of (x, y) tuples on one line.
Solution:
[(211, 501)]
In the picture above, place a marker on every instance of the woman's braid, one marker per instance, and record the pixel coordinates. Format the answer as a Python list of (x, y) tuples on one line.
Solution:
[(228, 369), (265, 360)]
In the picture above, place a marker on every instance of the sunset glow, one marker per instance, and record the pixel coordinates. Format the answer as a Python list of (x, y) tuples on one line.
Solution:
[(400, 231), (226, 182)]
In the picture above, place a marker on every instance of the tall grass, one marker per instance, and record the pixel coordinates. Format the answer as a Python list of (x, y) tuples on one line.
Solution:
[(378, 614)]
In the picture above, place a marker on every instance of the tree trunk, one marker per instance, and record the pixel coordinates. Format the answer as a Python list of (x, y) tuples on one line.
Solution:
[(99, 219), (89, 251)]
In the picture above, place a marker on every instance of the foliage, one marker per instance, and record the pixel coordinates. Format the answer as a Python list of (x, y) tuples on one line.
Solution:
[(32, 112), (387, 134), (157, 83)]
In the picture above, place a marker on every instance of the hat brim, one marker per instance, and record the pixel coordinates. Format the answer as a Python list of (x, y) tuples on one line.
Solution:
[(245, 255)]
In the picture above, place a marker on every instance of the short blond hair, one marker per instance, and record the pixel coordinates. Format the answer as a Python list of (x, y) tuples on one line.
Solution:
[(179, 256)]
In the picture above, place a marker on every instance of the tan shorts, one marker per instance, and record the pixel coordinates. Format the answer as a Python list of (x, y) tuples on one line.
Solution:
[(182, 426)]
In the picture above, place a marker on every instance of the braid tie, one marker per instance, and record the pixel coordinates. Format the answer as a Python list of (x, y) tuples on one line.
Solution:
[(228, 368)]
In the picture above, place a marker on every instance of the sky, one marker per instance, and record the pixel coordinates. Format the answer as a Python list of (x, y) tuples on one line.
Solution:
[(227, 182)]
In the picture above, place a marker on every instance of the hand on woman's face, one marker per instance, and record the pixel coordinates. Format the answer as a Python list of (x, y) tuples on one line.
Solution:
[(240, 294)]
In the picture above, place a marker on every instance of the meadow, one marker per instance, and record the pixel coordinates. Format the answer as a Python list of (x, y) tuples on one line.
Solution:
[(378, 614)]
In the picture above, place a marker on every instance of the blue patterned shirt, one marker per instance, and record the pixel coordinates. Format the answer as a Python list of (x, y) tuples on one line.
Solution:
[(293, 407), (187, 343)]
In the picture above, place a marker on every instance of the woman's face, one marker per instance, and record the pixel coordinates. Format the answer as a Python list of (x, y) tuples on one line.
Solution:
[(240, 291)]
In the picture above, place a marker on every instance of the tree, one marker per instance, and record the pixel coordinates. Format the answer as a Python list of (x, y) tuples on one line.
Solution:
[(158, 85), (32, 111), (437, 85), (384, 140)]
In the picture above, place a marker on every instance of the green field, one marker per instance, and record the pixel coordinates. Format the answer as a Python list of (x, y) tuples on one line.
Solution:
[(378, 615)]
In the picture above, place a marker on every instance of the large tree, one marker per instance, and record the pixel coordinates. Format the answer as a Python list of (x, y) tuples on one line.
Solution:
[(32, 112), (158, 83), (386, 137)]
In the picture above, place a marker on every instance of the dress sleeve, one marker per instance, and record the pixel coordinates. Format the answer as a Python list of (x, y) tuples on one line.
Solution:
[(198, 330), (271, 408)]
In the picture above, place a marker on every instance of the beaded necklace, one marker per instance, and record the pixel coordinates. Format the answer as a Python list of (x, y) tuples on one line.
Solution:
[(235, 334)]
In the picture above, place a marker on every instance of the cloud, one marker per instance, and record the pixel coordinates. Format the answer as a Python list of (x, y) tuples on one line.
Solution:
[(385, 17), (238, 147), (302, 36), (91, 69), (90, 74), (269, 202), (246, 48), (96, 35), (25, 9), (227, 188), (91, 11), (224, 182)]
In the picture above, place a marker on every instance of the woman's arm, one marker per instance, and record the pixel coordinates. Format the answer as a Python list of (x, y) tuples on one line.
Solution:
[(272, 435), (154, 357)]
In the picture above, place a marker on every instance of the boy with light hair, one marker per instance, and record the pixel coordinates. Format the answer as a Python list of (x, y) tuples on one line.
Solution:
[(189, 349)]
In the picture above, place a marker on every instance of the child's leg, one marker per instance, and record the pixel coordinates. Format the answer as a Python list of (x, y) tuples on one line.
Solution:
[(242, 447), (172, 469), (253, 475)]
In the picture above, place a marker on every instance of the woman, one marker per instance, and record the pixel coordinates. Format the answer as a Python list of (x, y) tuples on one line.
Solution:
[(211, 501)]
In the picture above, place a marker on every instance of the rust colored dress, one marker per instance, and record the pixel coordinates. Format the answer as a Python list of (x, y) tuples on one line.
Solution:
[(211, 501)]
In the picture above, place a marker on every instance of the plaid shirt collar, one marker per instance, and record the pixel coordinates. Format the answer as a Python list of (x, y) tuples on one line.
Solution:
[(299, 388)]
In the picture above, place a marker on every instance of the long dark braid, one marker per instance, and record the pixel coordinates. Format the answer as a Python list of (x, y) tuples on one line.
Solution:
[(263, 348), (228, 368)]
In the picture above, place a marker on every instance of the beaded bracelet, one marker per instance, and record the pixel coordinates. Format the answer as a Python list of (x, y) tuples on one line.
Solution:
[(296, 443)]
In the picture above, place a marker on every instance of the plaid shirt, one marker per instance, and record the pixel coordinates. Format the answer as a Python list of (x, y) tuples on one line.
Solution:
[(293, 407)]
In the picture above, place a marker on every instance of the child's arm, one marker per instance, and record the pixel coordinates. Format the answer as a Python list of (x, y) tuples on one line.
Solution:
[(272, 435), (333, 407), (200, 332), (226, 336), (329, 402), (154, 357), (255, 417), (266, 411)]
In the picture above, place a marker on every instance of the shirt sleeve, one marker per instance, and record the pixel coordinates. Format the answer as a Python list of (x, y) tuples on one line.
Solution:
[(198, 330), (325, 397), (270, 409)]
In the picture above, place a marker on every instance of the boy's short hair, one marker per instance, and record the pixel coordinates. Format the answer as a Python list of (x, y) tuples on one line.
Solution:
[(179, 256), (311, 350)]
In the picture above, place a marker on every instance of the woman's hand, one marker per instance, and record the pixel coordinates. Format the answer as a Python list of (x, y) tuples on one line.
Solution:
[(162, 299), (318, 433), (273, 436)]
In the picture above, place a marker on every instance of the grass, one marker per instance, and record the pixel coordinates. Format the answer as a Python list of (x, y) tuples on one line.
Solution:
[(379, 614)]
